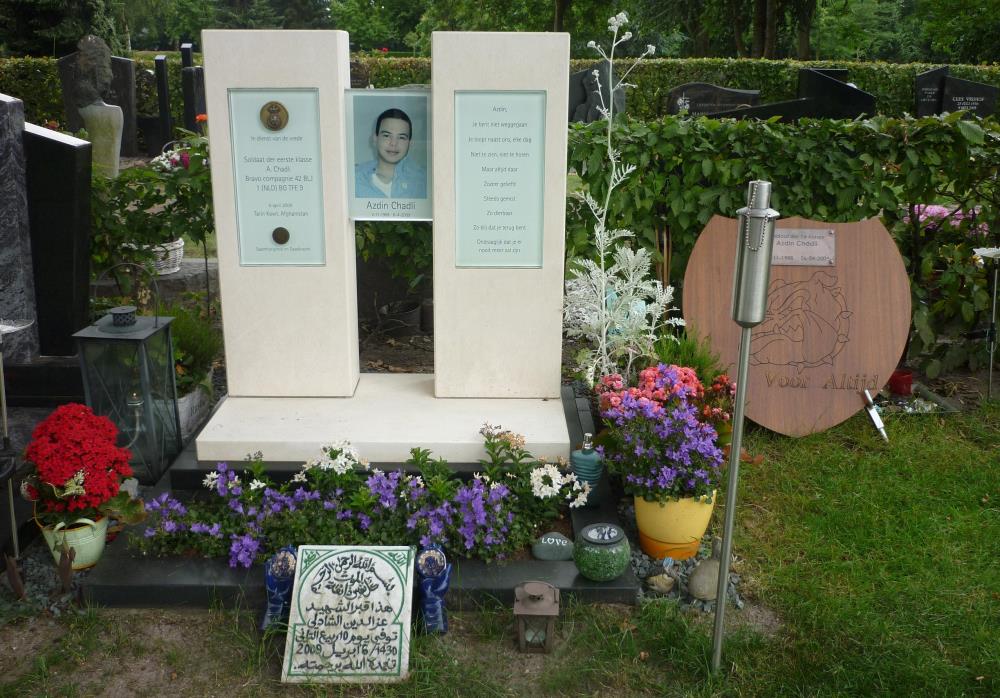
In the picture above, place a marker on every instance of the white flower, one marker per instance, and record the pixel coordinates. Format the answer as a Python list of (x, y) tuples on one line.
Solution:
[(626, 36), (591, 44), (299, 476), (583, 491), (211, 480), (342, 464), (322, 463), (482, 477), (650, 49), (256, 484), (546, 481)]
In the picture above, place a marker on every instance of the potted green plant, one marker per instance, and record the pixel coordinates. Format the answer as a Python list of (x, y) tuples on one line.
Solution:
[(196, 345), (76, 483), (666, 453)]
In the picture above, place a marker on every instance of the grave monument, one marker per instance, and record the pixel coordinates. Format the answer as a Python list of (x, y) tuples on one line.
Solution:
[(287, 250), (836, 323)]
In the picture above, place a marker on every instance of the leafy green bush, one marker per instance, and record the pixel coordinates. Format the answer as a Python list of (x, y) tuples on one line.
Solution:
[(196, 344), (125, 214), (691, 351), (404, 246)]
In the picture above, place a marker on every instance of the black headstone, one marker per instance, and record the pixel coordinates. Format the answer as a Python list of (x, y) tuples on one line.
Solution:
[(699, 98), (123, 94), (187, 55), (790, 110), (584, 98), (835, 73), (163, 102), (193, 84), (58, 185), (974, 97), (928, 88), (833, 98)]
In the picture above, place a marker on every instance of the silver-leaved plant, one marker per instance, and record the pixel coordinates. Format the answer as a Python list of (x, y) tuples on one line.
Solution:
[(612, 301)]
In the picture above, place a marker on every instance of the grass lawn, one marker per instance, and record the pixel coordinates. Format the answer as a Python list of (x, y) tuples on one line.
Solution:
[(869, 568)]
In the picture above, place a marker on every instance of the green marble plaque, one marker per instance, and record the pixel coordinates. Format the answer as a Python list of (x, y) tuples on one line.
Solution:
[(499, 178), (278, 177)]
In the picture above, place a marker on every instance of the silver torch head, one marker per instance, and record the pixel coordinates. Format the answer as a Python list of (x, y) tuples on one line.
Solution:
[(755, 238)]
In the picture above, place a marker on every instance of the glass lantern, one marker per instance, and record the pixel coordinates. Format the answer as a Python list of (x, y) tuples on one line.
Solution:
[(536, 607), (128, 376)]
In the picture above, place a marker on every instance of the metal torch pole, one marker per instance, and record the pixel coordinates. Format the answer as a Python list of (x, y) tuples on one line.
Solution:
[(734, 474), (751, 276), (993, 329)]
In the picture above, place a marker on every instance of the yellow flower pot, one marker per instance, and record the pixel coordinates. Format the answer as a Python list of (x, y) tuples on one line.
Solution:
[(673, 528)]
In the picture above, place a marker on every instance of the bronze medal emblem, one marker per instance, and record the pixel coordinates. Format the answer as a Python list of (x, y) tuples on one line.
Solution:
[(280, 235), (274, 116)]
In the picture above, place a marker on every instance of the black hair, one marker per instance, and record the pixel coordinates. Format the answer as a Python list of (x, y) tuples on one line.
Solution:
[(392, 114)]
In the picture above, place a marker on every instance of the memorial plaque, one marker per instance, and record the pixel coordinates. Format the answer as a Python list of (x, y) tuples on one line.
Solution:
[(350, 615), (278, 176), (388, 154), (975, 97), (928, 89), (698, 98), (804, 247), (829, 332), (499, 178)]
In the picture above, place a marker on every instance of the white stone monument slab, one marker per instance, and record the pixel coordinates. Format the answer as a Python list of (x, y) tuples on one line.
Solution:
[(389, 414), (498, 246), (286, 246), (350, 615)]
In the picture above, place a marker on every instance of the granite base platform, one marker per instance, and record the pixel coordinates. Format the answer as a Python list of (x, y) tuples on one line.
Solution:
[(123, 578)]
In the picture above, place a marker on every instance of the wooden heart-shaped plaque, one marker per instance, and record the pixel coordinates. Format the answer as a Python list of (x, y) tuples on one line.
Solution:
[(838, 314)]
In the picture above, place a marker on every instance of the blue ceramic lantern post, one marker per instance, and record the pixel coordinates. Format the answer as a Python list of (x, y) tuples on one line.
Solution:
[(279, 574), (434, 573)]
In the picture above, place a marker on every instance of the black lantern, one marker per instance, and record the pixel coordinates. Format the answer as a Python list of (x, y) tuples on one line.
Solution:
[(128, 376), (536, 607)]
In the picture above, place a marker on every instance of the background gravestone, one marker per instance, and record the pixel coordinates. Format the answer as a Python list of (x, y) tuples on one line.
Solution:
[(121, 94), (699, 98), (975, 97), (584, 97), (830, 331), (165, 120), (350, 615), (833, 97), (193, 86), (17, 290), (928, 88)]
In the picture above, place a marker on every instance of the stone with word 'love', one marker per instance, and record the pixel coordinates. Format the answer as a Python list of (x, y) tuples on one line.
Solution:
[(552, 546)]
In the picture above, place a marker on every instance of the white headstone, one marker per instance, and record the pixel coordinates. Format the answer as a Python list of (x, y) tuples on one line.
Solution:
[(500, 104), (286, 247), (350, 615)]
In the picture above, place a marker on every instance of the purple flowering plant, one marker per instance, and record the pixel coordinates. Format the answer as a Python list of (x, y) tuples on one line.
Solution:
[(658, 445), (338, 499)]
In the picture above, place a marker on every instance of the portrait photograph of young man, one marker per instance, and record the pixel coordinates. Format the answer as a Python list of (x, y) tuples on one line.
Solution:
[(388, 148)]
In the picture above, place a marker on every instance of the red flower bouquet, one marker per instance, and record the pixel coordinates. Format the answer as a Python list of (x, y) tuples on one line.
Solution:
[(78, 468)]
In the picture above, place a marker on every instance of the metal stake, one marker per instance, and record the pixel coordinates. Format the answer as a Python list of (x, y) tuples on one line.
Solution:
[(992, 331), (734, 474)]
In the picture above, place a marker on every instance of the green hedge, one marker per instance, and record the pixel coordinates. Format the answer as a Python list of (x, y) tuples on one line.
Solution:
[(892, 84)]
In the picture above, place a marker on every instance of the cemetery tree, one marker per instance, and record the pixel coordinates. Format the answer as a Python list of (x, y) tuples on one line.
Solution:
[(52, 27), (961, 31), (303, 14), (247, 14)]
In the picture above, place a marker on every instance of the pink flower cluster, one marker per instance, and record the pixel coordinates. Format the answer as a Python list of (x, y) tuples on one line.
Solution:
[(656, 386), (933, 217)]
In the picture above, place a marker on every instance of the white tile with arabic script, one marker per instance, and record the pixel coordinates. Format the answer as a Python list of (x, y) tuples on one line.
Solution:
[(350, 615)]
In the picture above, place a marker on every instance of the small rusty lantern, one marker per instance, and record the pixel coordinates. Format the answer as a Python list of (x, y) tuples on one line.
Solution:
[(536, 607)]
